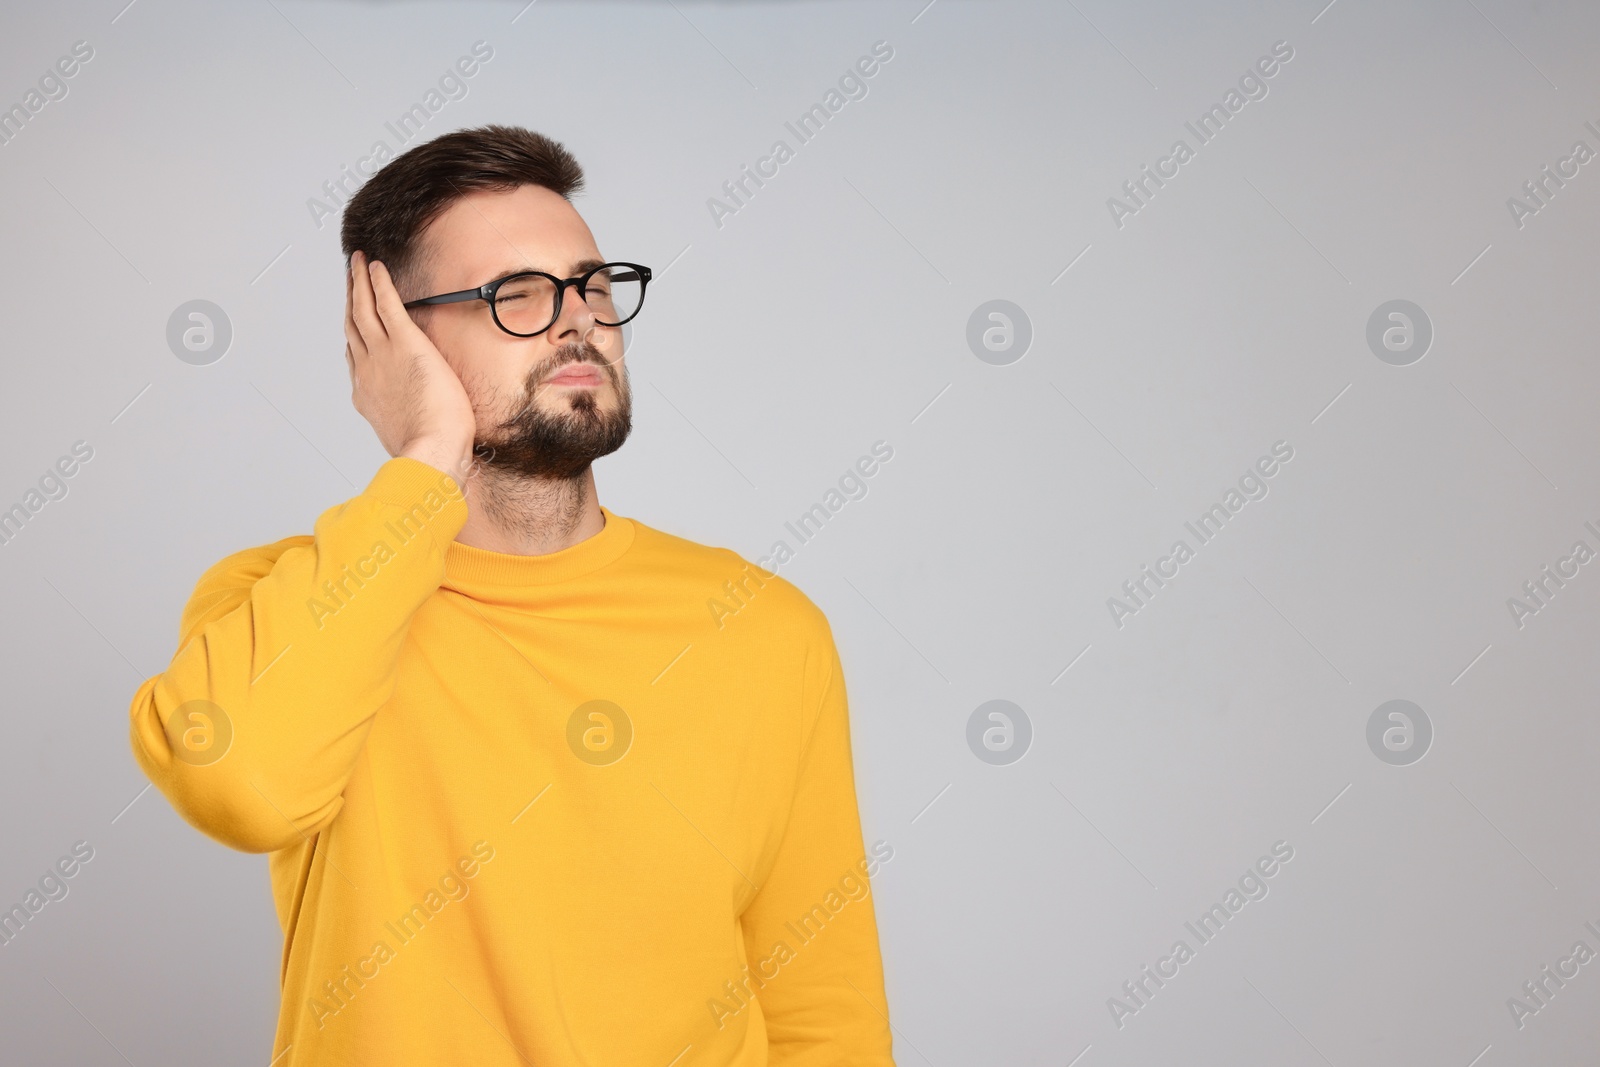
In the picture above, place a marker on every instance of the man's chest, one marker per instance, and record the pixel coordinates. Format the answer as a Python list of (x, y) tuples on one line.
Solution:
[(633, 724)]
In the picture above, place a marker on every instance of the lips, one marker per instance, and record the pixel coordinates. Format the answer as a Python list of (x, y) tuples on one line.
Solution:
[(576, 374)]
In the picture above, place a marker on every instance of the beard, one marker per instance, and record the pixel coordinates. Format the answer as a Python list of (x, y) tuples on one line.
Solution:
[(535, 443)]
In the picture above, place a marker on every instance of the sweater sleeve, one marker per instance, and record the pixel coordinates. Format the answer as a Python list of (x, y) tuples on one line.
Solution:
[(285, 654), (810, 933)]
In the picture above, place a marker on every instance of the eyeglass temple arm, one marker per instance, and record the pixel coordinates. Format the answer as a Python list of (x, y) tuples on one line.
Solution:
[(448, 298)]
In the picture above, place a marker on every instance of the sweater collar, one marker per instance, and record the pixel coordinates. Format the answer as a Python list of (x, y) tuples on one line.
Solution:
[(478, 570)]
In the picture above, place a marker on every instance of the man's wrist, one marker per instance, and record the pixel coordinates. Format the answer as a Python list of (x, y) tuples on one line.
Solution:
[(449, 459)]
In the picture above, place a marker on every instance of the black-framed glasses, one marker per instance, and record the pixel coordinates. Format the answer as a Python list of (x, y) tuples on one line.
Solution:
[(528, 303)]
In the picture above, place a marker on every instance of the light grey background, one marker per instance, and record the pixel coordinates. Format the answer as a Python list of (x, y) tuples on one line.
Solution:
[(831, 312)]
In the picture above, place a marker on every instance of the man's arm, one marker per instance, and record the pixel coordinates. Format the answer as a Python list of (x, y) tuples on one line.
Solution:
[(253, 730), (810, 934)]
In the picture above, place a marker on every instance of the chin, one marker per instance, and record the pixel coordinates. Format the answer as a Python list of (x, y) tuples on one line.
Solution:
[(567, 393)]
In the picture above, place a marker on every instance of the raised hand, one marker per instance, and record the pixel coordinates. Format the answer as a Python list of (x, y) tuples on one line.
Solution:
[(399, 381)]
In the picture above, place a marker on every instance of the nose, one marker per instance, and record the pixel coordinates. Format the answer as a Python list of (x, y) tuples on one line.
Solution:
[(576, 320), (578, 323)]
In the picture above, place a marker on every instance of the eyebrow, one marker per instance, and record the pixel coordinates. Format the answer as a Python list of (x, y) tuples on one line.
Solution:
[(583, 266)]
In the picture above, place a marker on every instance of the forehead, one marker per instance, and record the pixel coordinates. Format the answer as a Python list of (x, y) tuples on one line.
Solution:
[(489, 233)]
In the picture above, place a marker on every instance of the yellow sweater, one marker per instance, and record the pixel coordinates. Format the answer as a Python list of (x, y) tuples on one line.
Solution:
[(592, 808)]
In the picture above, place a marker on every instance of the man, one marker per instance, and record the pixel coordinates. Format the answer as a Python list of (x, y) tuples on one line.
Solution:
[(528, 799)]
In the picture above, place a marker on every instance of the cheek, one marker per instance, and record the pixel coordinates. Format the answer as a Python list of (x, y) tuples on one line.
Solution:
[(606, 340), (496, 388)]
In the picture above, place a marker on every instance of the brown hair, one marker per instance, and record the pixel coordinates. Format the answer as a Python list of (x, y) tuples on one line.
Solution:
[(386, 216)]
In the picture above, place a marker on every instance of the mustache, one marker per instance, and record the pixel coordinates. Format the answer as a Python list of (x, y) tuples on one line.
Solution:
[(576, 352)]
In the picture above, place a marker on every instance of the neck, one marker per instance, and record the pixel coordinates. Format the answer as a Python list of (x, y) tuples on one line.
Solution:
[(530, 516)]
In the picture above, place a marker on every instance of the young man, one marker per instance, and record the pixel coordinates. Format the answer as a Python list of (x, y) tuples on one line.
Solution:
[(530, 796)]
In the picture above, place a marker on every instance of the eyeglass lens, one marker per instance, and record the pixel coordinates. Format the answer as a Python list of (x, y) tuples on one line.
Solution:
[(527, 304)]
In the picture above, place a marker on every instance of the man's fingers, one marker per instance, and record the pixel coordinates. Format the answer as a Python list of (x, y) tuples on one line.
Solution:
[(354, 346), (352, 334), (386, 298), (366, 314)]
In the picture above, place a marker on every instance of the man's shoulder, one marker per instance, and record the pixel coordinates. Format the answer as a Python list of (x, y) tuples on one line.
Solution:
[(248, 565), (731, 583)]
